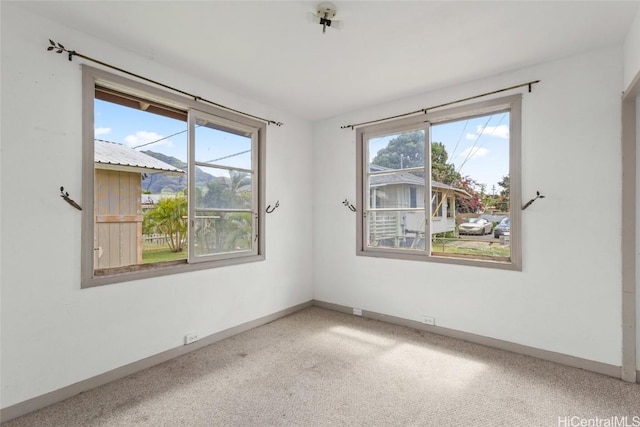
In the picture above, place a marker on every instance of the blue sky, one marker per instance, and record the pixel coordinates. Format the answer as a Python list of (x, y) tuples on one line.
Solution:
[(483, 148), (139, 129), (135, 127), (478, 147)]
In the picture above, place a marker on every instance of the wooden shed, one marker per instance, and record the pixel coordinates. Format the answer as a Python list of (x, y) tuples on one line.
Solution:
[(117, 204)]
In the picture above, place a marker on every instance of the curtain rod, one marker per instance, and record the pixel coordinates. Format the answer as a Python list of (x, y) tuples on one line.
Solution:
[(425, 110), (59, 48)]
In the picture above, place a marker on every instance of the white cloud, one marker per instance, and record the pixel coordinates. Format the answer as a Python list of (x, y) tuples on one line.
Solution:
[(101, 131), (501, 131), (142, 137), (474, 152)]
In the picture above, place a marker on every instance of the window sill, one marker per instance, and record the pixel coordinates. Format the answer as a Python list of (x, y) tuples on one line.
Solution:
[(140, 272), (442, 258)]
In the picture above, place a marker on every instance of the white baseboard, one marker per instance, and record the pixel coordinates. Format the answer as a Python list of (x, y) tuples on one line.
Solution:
[(564, 359), (63, 393)]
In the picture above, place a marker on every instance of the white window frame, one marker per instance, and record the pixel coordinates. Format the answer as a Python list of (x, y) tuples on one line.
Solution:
[(92, 77), (512, 104), (193, 163)]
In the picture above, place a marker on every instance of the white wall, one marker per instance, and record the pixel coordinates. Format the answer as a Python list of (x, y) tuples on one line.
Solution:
[(567, 298), (632, 52), (55, 334)]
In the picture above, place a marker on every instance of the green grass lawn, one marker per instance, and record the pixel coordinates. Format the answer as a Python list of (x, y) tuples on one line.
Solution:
[(454, 246), (162, 254)]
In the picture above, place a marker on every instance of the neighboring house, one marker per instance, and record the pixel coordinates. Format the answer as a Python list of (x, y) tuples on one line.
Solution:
[(406, 190), (118, 205)]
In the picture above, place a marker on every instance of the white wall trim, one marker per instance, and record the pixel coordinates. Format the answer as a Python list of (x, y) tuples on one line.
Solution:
[(63, 393), (628, 240), (564, 359), (629, 231)]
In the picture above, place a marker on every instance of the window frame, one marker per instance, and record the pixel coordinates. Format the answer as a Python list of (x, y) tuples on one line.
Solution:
[(512, 104), (221, 123), (91, 77)]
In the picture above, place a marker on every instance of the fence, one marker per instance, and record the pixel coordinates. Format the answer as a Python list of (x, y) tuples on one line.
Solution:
[(154, 241)]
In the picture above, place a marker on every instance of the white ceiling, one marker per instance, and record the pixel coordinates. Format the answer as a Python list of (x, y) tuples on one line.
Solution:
[(270, 52)]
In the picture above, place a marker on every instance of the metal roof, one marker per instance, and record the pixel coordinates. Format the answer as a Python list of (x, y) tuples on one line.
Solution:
[(114, 156), (397, 178)]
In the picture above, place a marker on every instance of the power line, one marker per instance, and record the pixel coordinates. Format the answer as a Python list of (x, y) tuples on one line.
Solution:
[(471, 151), (162, 139), (183, 131), (158, 140), (230, 155), (460, 138)]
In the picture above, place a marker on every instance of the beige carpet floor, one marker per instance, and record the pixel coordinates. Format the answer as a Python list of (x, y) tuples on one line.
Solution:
[(322, 368)]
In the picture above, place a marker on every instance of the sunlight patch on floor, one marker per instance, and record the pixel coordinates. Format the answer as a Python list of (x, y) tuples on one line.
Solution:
[(443, 367), (362, 336)]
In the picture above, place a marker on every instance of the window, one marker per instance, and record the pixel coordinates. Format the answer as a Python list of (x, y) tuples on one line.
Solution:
[(172, 184), (413, 196), (435, 187)]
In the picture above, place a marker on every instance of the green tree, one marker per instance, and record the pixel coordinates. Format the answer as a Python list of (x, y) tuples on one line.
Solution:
[(224, 193), (407, 150), (504, 183), (503, 202), (228, 231), (169, 217), (441, 169), (404, 151)]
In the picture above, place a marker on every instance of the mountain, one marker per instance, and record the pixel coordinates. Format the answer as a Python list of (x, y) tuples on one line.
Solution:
[(156, 183)]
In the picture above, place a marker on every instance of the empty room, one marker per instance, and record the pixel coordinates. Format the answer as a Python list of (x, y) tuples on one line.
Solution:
[(301, 213)]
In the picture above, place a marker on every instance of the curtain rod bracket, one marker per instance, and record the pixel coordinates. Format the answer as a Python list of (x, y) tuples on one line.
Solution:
[(349, 205), (530, 202), (65, 196), (271, 209)]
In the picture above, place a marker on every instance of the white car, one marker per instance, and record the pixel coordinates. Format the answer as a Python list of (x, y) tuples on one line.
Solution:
[(478, 226)]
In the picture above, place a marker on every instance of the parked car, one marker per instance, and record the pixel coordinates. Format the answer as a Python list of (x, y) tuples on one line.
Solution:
[(475, 226), (501, 228)]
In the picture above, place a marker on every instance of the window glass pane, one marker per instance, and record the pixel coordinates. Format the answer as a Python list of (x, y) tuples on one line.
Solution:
[(222, 232), (150, 216), (392, 188), (396, 229), (470, 180), (224, 182), (223, 188), (221, 148), (397, 151), (140, 180)]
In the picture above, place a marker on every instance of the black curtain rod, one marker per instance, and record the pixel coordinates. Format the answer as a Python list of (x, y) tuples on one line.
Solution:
[(425, 110), (59, 48)]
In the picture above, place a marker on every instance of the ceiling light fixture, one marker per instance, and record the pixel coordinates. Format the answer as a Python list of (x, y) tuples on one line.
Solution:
[(326, 11)]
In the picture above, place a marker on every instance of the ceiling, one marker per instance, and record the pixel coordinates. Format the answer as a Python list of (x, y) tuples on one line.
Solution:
[(271, 52)]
